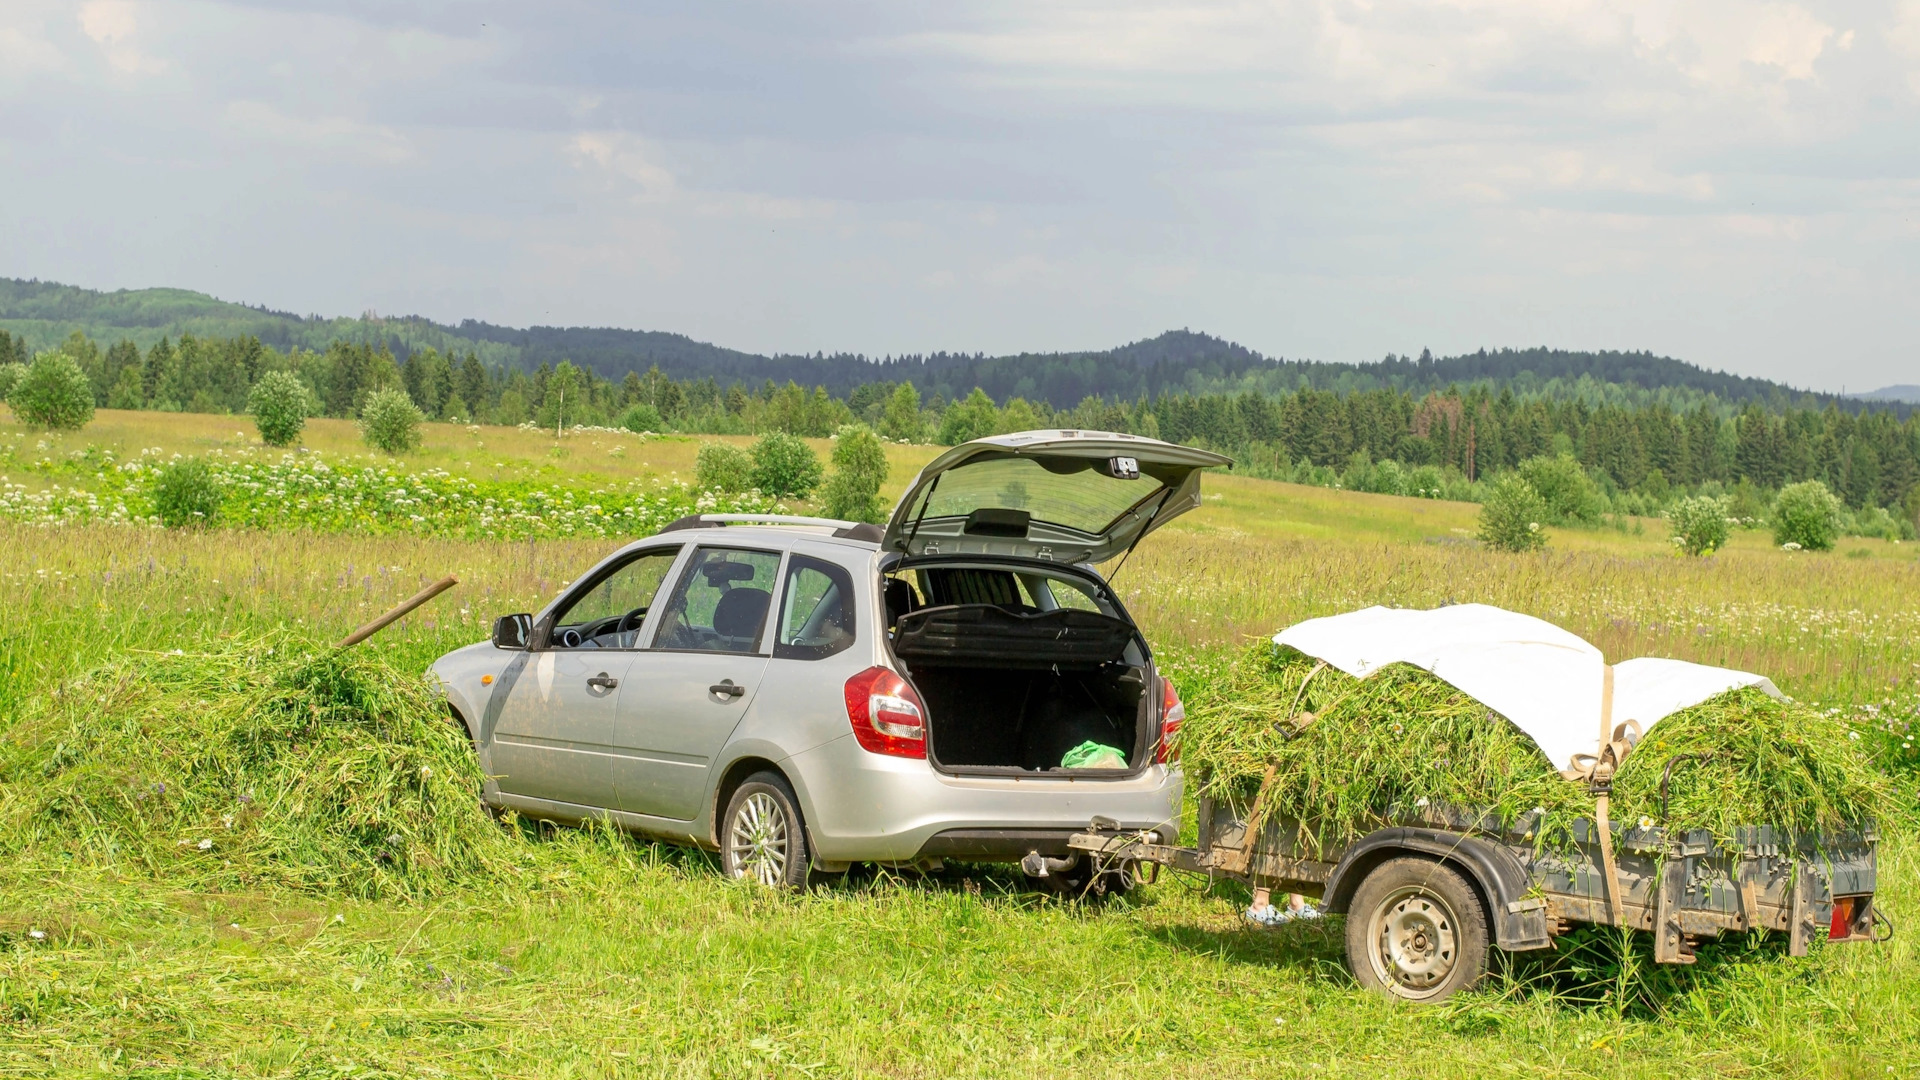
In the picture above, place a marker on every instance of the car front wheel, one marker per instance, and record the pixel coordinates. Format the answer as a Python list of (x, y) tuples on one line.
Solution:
[(762, 837)]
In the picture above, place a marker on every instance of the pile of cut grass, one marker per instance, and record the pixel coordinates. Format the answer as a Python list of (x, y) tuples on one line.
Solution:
[(267, 762), (1351, 754)]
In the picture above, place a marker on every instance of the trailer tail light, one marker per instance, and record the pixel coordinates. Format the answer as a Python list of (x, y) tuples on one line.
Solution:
[(1842, 926), (1172, 715), (886, 714)]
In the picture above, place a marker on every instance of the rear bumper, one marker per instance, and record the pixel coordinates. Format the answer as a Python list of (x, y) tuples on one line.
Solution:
[(868, 807), (1008, 845)]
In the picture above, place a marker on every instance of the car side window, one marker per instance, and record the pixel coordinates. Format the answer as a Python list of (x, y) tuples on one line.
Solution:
[(1072, 594), (816, 611), (608, 616), (720, 603)]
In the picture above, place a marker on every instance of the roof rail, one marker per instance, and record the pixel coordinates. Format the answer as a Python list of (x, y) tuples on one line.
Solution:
[(852, 529)]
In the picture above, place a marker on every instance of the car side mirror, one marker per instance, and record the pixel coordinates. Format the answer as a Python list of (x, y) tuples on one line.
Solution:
[(512, 631)]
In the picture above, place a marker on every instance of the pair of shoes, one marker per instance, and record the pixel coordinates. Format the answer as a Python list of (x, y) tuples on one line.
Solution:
[(1268, 916), (1308, 913)]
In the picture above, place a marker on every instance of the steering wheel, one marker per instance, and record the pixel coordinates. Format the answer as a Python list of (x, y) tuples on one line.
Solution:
[(631, 620)]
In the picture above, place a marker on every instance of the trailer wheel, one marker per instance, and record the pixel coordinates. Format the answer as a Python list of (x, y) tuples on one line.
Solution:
[(1416, 930)]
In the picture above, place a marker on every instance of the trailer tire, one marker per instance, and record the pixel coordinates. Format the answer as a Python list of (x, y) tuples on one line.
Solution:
[(1416, 930)]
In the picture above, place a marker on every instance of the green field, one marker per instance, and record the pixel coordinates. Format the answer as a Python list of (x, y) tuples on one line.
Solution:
[(611, 957)]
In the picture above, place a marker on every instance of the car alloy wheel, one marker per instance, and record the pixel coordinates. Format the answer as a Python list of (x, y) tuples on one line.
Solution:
[(759, 836), (762, 837)]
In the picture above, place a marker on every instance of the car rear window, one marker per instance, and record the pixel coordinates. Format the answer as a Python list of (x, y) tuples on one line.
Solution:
[(1087, 500)]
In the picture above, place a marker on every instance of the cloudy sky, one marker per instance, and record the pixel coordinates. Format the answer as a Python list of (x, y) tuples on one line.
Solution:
[(1732, 183)]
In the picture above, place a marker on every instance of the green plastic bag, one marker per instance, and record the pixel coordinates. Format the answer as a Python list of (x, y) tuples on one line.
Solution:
[(1093, 755)]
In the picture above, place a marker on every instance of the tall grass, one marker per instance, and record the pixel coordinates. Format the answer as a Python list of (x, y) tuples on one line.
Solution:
[(609, 956)]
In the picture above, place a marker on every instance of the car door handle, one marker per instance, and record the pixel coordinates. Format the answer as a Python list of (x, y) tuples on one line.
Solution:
[(603, 681), (726, 688)]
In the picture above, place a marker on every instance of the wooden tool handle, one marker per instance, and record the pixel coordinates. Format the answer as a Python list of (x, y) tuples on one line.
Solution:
[(397, 613)]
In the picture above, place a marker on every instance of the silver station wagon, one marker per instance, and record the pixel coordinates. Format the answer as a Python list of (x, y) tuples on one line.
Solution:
[(801, 694)]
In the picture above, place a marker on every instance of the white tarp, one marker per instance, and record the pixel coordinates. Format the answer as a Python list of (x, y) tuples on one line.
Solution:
[(1547, 681)]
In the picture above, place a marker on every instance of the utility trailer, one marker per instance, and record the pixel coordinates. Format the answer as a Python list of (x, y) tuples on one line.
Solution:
[(1428, 895)]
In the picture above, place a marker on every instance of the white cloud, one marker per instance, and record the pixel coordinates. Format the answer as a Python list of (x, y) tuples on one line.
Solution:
[(1318, 177), (621, 161), (113, 25), (261, 120), (24, 53)]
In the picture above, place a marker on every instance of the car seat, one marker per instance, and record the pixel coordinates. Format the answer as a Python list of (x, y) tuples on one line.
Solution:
[(739, 612)]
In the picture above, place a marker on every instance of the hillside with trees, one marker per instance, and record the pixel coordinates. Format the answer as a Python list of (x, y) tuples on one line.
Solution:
[(1638, 454), (45, 314)]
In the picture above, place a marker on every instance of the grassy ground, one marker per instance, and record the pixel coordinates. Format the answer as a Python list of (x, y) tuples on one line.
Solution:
[(1236, 507), (496, 452), (627, 959)]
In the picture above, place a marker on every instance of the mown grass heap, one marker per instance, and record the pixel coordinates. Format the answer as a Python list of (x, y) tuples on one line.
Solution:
[(1354, 753), (262, 763)]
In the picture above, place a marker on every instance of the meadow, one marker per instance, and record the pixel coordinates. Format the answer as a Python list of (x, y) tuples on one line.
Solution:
[(616, 957)]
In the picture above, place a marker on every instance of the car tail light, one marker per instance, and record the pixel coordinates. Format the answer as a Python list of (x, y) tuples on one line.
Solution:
[(1842, 926), (1172, 715), (886, 714)]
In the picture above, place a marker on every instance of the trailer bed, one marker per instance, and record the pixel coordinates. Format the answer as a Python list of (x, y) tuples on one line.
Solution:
[(1683, 887)]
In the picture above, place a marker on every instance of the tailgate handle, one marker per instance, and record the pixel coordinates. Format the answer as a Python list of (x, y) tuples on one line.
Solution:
[(725, 688)]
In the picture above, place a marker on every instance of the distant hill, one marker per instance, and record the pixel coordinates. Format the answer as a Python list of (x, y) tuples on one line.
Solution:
[(1905, 392), (46, 313)]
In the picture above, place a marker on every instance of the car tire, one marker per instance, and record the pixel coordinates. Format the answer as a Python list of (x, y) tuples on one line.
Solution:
[(1416, 930), (762, 836)]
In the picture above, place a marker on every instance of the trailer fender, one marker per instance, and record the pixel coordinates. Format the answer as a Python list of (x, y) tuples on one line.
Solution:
[(1518, 921)]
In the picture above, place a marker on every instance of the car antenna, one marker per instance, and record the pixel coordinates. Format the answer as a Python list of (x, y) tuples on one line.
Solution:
[(921, 516), (1141, 535)]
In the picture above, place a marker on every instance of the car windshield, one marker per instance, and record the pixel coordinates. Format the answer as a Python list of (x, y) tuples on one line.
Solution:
[(1086, 499)]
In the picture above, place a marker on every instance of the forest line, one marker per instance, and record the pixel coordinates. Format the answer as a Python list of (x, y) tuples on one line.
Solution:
[(1440, 443)]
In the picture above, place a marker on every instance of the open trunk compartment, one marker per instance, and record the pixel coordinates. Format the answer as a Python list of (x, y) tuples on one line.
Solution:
[(1023, 719), (1009, 689)]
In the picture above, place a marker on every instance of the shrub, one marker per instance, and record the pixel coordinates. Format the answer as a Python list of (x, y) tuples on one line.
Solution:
[(187, 494), (1879, 522), (722, 467), (973, 417), (1806, 514), (1570, 495), (512, 410), (785, 466), (1388, 478), (641, 416), (902, 421), (390, 421), (1699, 524), (1510, 518), (280, 405), (52, 393), (1426, 482), (9, 375), (859, 468)]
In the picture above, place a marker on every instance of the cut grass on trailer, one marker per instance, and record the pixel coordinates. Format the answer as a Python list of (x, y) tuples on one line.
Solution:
[(1353, 754)]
